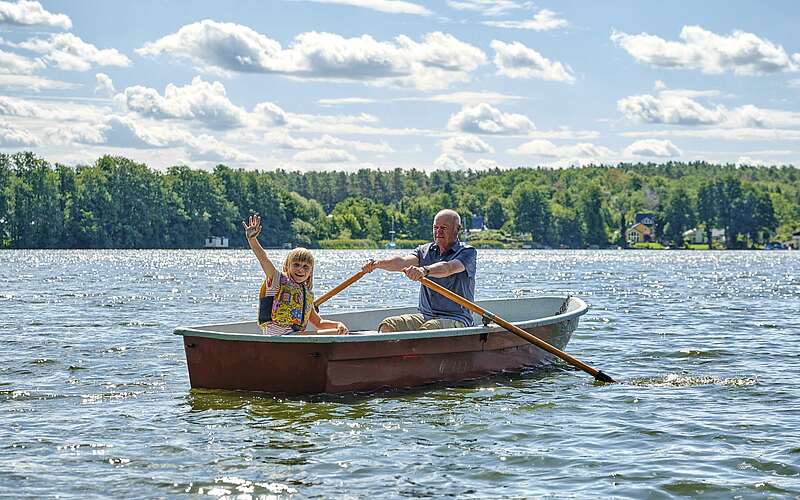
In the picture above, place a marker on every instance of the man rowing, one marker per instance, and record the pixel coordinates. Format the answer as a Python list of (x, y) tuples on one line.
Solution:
[(446, 261)]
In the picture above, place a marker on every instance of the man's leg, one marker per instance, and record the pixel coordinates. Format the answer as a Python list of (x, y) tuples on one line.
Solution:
[(438, 324), (403, 323)]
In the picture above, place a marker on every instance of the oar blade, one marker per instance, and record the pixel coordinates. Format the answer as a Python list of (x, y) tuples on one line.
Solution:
[(602, 377)]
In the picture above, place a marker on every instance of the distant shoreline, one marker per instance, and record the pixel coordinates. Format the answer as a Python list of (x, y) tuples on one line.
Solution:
[(119, 203), (479, 248)]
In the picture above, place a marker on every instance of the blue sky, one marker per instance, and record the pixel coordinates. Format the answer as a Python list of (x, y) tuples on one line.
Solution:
[(449, 84)]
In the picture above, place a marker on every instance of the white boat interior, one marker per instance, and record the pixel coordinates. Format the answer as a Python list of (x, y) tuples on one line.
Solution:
[(529, 312)]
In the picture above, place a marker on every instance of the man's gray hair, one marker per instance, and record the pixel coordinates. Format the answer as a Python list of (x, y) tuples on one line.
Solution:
[(450, 213)]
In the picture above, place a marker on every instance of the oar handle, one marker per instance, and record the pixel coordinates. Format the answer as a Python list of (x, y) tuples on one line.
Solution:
[(597, 374), (341, 286)]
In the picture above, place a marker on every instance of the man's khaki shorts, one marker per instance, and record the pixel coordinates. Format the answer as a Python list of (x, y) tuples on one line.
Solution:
[(410, 322)]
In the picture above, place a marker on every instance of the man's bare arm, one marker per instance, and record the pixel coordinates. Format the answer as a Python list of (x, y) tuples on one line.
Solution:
[(437, 270), (445, 269), (397, 263)]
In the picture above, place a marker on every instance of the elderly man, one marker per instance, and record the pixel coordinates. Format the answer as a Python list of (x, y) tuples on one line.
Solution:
[(448, 262)]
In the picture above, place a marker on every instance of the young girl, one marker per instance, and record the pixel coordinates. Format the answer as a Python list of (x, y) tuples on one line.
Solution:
[(286, 303)]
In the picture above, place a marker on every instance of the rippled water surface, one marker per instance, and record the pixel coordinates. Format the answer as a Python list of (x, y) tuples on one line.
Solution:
[(95, 398)]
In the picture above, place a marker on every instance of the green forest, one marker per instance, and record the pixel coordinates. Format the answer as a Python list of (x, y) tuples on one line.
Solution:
[(118, 203)]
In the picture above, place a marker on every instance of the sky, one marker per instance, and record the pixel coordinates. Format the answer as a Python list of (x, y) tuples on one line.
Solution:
[(446, 84)]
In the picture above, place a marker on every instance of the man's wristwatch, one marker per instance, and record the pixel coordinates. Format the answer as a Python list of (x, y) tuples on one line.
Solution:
[(425, 271)]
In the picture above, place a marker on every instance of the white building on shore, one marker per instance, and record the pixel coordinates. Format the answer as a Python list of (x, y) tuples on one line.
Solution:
[(697, 236), (216, 242)]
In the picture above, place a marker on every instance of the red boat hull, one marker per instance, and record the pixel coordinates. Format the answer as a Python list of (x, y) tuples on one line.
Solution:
[(308, 368)]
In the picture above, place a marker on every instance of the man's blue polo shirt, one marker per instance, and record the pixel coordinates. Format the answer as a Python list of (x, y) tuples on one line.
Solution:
[(431, 304)]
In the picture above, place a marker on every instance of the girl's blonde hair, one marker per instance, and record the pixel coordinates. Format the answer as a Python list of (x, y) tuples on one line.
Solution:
[(304, 256)]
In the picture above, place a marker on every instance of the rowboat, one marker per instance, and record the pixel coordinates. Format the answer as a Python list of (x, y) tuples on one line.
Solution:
[(237, 356)]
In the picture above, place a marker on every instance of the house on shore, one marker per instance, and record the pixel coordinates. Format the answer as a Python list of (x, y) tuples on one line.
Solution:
[(639, 233), (697, 236), (216, 242), (643, 229), (796, 240)]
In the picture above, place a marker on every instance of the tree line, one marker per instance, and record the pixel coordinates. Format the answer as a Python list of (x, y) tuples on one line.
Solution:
[(119, 203)]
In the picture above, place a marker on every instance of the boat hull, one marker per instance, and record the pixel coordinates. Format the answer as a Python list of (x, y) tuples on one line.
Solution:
[(365, 362)]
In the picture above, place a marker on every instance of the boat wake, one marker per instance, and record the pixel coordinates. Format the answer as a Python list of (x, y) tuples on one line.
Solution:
[(682, 380)]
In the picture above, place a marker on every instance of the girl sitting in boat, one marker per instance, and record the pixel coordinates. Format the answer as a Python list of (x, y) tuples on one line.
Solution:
[(286, 302)]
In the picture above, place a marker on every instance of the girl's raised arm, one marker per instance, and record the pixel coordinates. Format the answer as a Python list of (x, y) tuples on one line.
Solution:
[(252, 228)]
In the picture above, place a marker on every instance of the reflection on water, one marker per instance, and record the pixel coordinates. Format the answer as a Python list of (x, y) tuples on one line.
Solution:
[(95, 399), (295, 410), (314, 407)]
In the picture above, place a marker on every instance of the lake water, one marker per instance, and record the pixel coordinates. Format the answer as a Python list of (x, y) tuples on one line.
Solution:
[(95, 398)]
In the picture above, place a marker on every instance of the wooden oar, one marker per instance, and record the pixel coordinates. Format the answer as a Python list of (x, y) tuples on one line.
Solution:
[(341, 286), (597, 374)]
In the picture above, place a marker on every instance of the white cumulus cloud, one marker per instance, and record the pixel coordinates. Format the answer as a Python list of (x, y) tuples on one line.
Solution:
[(485, 119), (741, 53), (29, 13), (68, 52), (126, 132), (669, 109), (225, 46), (325, 155), (270, 114), (50, 111), (453, 160), (466, 144), (11, 63), (748, 161), (11, 137), (486, 164), (450, 161), (12, 106), (114, 131), (583, 150), (515, 60), (200, 101), (104, 84), (437, 61), (208, 148), (676, 107), (753, 116), (653, 148), (544, 20)]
